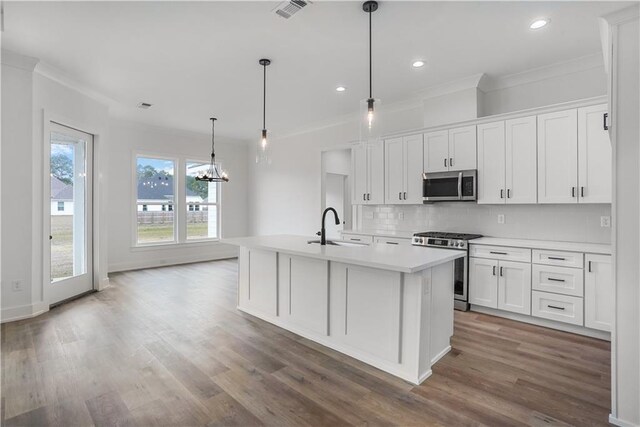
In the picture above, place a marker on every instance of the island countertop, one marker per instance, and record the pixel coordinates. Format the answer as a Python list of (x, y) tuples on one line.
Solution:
[(405, 259)]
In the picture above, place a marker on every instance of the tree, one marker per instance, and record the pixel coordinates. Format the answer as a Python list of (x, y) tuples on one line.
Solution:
[(146, 171), (62, 168), (198, 187)]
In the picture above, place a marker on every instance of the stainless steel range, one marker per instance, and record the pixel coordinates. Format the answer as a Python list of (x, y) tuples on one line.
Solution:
[(459, 241)]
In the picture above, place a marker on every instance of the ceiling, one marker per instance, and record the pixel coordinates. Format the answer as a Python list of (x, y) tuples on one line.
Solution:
[(192, 60)]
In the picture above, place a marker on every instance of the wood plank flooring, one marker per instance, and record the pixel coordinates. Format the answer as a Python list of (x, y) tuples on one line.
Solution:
[(166, 347)]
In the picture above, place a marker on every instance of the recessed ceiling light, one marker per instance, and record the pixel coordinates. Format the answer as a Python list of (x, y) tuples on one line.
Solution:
[(538, 23), (341, 89), (418, 64)]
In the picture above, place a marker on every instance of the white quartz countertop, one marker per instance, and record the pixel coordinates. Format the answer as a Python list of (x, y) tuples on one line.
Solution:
[(382, 233), (592, 248), (405, 259)]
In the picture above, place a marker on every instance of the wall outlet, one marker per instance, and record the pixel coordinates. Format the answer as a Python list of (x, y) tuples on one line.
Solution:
[(500, 218), (401, 215), (605, 221), (16, 286)]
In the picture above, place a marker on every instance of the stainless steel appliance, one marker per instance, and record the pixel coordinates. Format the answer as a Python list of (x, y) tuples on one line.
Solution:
[(459, 241), (449, 186)]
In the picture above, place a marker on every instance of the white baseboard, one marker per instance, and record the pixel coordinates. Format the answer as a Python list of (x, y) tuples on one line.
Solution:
[(153, 263), (440, 355), (11, 314), (565, 327), (615, 421)]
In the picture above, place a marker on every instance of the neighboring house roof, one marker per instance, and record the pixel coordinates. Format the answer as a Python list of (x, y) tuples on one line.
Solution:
[(61, 191), (158, 188)]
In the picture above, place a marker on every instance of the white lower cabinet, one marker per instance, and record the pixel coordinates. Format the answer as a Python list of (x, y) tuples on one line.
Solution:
[(483, 282), (598, 292), (514, 287), (562, 308)]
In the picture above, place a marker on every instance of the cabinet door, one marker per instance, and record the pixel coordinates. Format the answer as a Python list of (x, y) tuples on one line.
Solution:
[(594, 156), (394, 171), (558, 157), (359, 174), (598, 292), (413, 154), (436, 151), (491, 167), (514, 287), (462, 148), (483, 282), (521, 166), (375, 168)]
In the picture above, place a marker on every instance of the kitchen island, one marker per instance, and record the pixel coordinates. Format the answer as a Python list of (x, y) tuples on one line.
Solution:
[(388, 306)]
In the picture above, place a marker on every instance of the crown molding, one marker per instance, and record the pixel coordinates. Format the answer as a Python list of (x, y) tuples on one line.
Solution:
[(571, 66), (52, 73), (17, 60), (623, 15), (470, 82)]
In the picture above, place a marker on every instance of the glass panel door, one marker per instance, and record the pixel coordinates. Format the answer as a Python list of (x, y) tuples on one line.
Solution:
[(70, 234)]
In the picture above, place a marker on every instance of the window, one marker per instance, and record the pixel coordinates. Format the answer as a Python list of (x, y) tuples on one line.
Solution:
[(155, 189), (60, 206), (202, 199), (165, 215)]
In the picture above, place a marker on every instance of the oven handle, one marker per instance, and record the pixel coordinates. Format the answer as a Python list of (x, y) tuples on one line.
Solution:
[(460, 186)]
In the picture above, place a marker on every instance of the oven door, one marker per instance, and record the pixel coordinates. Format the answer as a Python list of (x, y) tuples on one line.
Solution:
[(461, 284), (449, 186)]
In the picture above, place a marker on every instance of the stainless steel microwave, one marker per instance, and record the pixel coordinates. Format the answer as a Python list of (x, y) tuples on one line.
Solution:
[(449, 186)]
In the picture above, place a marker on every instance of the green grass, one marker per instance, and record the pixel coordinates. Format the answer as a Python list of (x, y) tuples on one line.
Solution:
[(158, 233), (61, 246)]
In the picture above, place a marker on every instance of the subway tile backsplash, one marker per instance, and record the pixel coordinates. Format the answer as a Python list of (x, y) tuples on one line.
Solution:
[(572, 223)]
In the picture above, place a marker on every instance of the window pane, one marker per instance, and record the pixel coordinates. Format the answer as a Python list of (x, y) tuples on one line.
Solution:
[(202, 222), (155, 188), (199, 191), (154, 224)]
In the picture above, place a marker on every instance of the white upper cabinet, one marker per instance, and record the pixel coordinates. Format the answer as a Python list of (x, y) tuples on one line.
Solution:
[(413, 149), (491, 163), (598, 292), (367, 169), (594, 156), (450, 150), (403, 166), (436, 151), (558, 157), (521, 167), (462, 148)]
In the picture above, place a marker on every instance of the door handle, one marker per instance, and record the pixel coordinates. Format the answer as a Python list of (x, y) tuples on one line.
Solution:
[(508, 193), (581, 191), (450, 161), (589, 267), (494, 270), (399, 195), (368, 196), (460, 186), (405, 195), (501, 193), (445, 162), (364, 196), (501, 275), (51, 238), (573, 191), (604, 121)]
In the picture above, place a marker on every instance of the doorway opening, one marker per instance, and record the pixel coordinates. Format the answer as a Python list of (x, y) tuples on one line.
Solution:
[(336, 168)]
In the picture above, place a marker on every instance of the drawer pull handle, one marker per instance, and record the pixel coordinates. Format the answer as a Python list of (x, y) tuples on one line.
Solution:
[(555, 280), (556, 258), (391, 243), (498, 253), (555, 306), (354, 239)]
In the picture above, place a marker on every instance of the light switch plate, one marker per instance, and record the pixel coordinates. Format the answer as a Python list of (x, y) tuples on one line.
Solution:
[(500, 218), (605, 221)]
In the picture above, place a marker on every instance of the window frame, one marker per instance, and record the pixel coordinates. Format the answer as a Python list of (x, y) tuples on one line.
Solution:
[(178, 207)]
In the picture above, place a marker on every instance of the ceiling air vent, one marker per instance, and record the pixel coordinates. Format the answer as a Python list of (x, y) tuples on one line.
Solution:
[(287, 9), (144, 105)]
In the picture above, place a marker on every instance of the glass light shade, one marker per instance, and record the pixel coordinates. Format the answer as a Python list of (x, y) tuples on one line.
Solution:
[(263, 149), (369, 121)]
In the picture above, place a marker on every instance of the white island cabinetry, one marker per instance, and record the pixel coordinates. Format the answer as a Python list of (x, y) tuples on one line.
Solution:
[(390, 306)]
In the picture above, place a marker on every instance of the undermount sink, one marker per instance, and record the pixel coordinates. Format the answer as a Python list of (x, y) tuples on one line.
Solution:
[(337, 243)]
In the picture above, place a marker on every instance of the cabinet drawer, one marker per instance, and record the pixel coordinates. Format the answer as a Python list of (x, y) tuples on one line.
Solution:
[(562, 308), (500, 252), (563, 259), (561, 280), (359, 238), (393, 241)]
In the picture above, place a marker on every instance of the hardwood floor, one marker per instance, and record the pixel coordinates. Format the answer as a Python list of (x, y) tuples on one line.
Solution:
[(166, 346)]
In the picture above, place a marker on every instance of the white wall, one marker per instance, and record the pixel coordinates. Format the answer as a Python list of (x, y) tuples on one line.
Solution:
[(127, 138)]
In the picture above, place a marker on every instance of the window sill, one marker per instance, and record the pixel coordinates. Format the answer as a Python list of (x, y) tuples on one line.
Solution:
[(163, 246)]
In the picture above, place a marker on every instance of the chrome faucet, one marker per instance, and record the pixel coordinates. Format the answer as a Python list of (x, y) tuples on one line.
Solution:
[(322, 233)]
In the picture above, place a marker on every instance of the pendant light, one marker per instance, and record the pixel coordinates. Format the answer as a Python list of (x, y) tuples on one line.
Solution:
[(263, 151), (369, 127), (212, 174)]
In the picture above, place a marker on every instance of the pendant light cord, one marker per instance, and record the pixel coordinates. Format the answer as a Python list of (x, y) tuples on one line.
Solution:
[(370, 66), (264, 97)]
